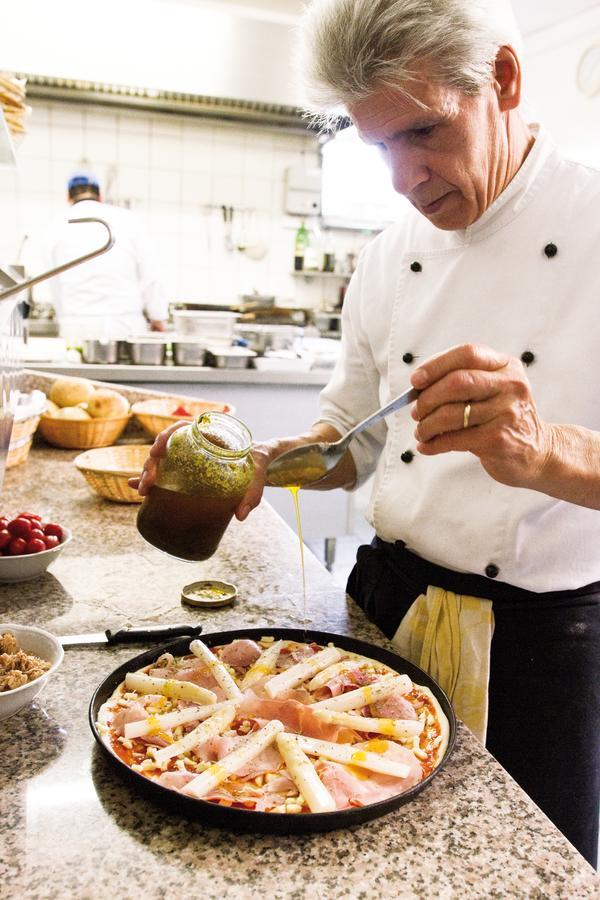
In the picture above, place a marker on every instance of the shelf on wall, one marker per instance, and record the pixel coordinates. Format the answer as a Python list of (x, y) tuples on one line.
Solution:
[(7, 148), (309, 273)]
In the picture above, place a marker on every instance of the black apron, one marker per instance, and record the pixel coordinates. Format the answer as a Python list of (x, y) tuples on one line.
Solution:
[(544, 691)]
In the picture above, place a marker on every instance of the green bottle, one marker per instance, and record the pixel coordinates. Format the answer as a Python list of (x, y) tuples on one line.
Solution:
[(300, 244)]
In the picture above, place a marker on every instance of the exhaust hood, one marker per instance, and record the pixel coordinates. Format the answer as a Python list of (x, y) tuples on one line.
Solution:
[(150, 52)]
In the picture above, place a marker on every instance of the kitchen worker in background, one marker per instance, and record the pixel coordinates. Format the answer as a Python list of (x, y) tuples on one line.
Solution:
[(485, 568), (116, 295)]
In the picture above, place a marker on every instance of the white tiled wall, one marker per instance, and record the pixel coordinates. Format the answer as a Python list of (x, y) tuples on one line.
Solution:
[(175, 172)]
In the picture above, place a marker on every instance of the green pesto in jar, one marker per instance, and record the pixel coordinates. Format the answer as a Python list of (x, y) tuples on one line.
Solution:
[(209, 457)]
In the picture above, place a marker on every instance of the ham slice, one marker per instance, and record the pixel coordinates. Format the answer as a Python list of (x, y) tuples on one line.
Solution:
[(172, 670), (394, 707), (296, 717), (345, 681), (203, 678), (240, 654), (175, 780), (216, 748), (299, 654), (194, 670), (350, 786), (134, 712)]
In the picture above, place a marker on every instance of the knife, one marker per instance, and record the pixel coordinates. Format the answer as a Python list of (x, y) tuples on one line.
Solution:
[(130, 635)]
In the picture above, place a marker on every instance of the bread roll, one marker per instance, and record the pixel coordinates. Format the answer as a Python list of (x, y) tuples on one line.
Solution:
[(71, 412), (71, 391), (107, 404)]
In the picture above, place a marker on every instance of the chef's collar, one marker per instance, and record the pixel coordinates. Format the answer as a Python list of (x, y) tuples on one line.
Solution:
[(519, 192)]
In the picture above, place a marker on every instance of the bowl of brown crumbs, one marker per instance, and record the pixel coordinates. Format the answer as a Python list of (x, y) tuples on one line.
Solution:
[(28, 656)]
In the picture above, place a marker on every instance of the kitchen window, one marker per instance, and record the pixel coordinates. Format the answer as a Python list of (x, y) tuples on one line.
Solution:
[(356, 187)]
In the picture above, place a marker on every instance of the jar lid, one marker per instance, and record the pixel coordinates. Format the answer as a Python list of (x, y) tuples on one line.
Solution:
[(208, 593)]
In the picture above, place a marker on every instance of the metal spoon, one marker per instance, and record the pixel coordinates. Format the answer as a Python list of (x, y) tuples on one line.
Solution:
[(311, 462)]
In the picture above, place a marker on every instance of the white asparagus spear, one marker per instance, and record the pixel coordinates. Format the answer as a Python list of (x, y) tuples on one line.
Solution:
[(366, 695), (304, 776), (254, 744), (302, 671), (217, 669), (204, 732), (264, 665), (397, 728), (168, 687), (320, 680), (351, 755), (154, 724)]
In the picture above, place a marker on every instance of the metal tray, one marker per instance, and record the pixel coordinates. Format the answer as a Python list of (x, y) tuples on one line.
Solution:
[(251, 820)]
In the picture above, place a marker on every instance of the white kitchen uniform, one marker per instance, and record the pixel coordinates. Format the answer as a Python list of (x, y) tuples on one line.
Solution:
[(107, 296), (524, 279)]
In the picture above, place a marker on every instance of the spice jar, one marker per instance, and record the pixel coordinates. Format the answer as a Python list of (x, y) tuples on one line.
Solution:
[(199, 482)]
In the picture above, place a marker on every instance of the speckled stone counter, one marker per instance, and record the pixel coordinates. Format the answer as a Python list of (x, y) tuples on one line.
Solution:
[(70, 828)]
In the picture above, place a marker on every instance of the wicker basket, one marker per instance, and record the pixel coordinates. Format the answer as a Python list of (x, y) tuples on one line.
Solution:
[(18, 452), (107, 469), (21, 437), (82, 434), (156, 415), (23, 428)]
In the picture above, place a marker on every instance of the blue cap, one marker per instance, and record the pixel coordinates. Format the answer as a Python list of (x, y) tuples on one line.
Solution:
[(83, 179)]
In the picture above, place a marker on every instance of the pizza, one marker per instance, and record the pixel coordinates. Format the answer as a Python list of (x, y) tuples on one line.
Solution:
[(275, 726)]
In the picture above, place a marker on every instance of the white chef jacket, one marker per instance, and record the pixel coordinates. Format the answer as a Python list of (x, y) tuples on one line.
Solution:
[(105, 297), (524, 278)]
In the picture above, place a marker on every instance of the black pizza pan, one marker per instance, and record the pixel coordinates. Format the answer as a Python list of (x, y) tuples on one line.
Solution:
[(251, 820)]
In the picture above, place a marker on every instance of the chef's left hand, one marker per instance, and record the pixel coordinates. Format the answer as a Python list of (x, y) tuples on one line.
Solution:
[(504, 430)]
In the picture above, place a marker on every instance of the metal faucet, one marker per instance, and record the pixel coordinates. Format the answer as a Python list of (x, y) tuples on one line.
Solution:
[(15, 287)]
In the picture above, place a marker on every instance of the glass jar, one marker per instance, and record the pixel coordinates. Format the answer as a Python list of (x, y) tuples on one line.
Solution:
[(199, 482)]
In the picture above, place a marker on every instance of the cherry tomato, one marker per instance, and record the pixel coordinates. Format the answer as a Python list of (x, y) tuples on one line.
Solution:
[(17, 546), (36, 533), (35, 546), (29, 516), (5, 538), (4, 520), (53, 529), (19, 528), (51, 541)]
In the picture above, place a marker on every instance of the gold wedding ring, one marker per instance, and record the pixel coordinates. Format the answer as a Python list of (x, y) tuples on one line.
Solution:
[(466, 414)]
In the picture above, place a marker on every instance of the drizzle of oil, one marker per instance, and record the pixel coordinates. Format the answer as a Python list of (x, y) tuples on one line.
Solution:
[(294, 490)]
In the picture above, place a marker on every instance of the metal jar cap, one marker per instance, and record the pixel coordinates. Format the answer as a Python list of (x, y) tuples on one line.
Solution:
[(209, 594)]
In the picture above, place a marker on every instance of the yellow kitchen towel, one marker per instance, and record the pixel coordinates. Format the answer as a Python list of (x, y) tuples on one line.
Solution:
[(450, 636)]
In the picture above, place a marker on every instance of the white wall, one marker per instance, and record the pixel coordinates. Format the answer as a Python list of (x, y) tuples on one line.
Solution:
[(170, 170), (552, 58)]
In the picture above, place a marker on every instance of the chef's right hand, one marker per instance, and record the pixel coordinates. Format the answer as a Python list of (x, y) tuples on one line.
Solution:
[(145, 481)]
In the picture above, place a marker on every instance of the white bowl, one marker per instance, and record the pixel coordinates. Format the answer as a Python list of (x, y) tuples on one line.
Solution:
[(40, 643), (30, 565)]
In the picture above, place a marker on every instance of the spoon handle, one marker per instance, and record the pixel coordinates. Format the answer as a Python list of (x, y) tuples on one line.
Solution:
[(397, 403)]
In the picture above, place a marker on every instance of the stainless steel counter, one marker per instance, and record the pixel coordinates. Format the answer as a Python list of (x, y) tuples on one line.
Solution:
[(128, 374)]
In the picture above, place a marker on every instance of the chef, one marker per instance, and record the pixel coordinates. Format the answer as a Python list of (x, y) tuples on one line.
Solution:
[(115, 295), (485, 568)]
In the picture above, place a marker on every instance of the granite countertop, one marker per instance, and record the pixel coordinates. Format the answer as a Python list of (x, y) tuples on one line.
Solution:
[(72, 828)]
